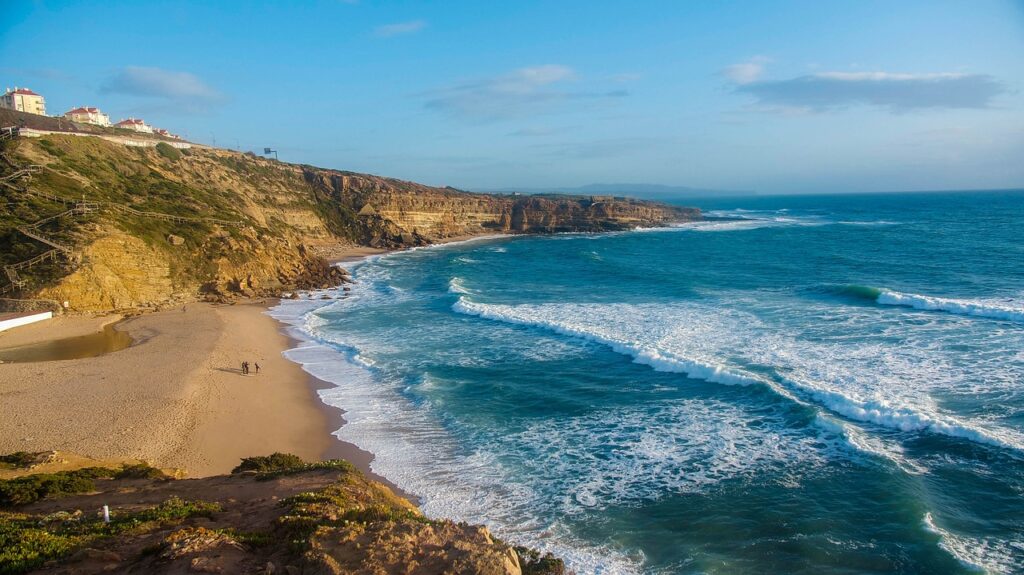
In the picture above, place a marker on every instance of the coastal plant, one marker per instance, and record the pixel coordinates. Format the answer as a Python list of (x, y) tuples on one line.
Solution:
[(281, 464), (140, 471), (31, 488), (532, 562), (19, 460), (28, 541), (268, 463), (168, 151)]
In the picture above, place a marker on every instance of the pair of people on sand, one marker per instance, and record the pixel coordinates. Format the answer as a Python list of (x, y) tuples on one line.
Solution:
[(245, 367)]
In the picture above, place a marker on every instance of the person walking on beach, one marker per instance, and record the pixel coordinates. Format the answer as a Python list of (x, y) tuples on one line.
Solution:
[(245, 368), (257, 368)]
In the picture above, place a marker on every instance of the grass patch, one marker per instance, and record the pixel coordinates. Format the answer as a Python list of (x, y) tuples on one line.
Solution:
[(28, 541), (168, 151), (32, 488)]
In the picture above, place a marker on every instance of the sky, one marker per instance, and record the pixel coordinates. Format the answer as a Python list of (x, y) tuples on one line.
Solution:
[(772, 97)]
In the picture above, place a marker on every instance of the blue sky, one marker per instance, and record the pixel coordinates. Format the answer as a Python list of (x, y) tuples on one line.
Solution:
[(777, 97)]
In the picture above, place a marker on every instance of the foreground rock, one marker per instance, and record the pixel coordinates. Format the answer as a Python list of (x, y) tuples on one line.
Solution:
[(276, 515)]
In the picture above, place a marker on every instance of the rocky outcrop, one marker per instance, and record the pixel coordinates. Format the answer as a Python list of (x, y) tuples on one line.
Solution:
[(247, 226), (394, 213), (323, 518)]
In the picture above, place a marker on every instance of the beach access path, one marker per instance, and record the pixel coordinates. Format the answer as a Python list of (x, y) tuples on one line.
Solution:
[(176, 398)]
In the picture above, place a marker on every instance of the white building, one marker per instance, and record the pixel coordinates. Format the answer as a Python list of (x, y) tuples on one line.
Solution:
[(86, 115), (165, 133), (135, 124), (23, 100)]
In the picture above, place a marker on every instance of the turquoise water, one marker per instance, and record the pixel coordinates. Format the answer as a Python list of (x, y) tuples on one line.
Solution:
[(828, 384)]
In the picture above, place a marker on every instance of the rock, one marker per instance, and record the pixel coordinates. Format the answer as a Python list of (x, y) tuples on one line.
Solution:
[(99, 555), (175, 240), (204, 565)]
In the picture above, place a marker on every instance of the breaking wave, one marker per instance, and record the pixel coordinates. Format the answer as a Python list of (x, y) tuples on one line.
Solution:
[(693, 350), (1009, 309)]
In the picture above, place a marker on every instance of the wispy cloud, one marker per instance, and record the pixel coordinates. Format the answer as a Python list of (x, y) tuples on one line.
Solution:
[(746, 72), (399, 28), (625, 77), (521, 92), (536, 131), (599, 149), (180, 88), (895, 92)]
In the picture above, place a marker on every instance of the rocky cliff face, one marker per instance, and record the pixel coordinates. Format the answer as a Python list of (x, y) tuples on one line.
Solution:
[(243, 225), (422, 213)]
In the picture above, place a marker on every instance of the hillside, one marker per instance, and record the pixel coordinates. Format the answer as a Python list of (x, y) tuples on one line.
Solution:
[(272, 515), (147, 226)]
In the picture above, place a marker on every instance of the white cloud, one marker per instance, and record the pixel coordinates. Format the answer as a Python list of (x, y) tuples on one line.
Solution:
[(399, 28), (897, 92), (182, 88), (520, 92), (746, 72)]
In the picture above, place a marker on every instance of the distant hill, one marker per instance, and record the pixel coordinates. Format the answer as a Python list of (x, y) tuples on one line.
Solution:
[(634, 190)]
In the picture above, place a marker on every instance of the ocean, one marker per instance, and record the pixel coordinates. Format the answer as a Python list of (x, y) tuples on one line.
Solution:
[(800, 384)]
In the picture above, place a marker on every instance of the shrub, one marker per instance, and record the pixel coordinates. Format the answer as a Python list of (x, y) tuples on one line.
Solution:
[(533, 563), (168, 151), (278, 464), (20, 459), (31, 488), (140, 471), (270, 463)]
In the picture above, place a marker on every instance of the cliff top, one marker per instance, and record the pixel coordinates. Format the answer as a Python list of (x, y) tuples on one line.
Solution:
[(274, 514)]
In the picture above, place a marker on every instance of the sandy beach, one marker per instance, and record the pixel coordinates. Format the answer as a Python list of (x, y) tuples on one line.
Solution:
[(176, 398)]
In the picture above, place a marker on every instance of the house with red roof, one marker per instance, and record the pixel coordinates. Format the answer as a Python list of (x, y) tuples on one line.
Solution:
[(135, 124), (23, 100), (87, 115), (165, 133)]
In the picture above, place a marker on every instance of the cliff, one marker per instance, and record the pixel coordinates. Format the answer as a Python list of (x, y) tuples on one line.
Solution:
[(150, 226), (273, 515)]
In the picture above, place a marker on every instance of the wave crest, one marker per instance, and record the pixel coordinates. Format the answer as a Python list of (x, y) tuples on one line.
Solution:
[(1009, 310), (634, 338)]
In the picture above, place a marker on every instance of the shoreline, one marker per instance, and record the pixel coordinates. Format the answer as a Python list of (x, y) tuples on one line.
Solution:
[(175, 398)]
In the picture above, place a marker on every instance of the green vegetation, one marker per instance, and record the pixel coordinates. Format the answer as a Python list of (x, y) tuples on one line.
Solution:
[(32, 488), (28, 541), (140, 471), (268, 463), (533, 563), (18, 460), (168, 151), (280, 464)]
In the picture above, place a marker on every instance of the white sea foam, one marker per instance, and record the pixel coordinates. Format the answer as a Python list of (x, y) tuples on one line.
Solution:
[(1006, 309), (455, 285), (626, 456), (866, 383), (985, 555), (415, 452)]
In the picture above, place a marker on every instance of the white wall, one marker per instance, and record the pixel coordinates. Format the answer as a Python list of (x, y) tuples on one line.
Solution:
[(25, 320)]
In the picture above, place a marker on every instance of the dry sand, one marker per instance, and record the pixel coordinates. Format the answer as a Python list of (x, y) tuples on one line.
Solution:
[(176, 398)]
